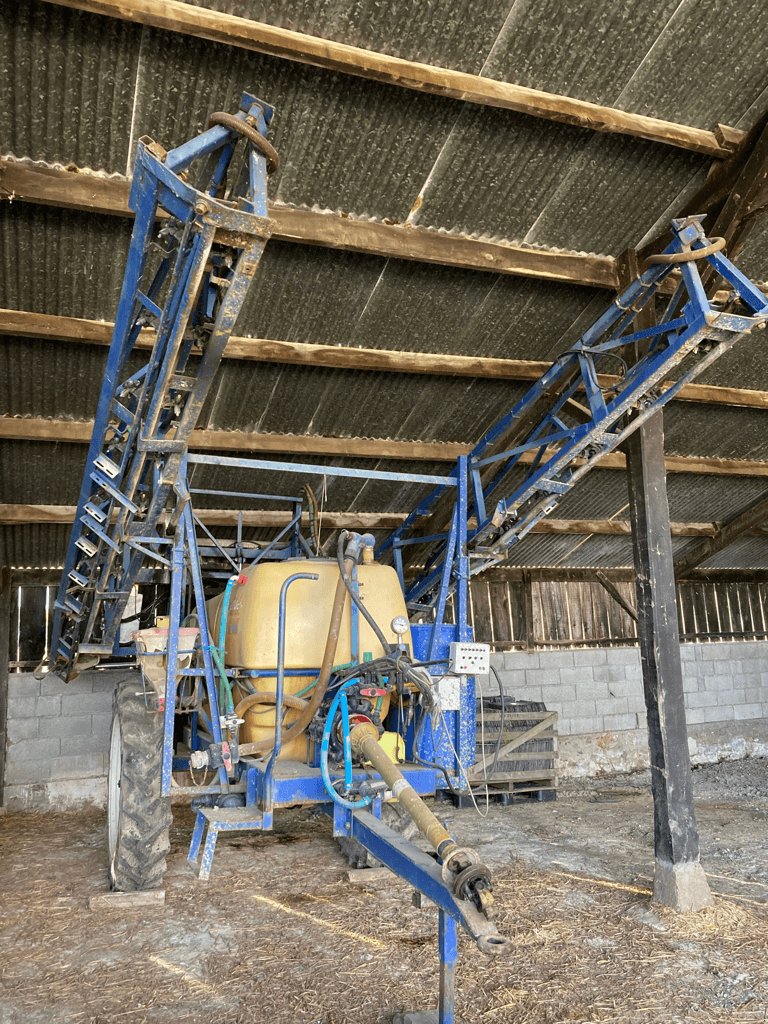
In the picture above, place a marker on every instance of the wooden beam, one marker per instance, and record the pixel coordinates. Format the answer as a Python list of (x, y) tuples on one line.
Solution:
[(513, 574), (12, 515), (15, 428), (714, 194), (616, 594), (79, 432), (742, 209), (727, 534), (16, 514), (293, 353), (174, 16), (81, 190)]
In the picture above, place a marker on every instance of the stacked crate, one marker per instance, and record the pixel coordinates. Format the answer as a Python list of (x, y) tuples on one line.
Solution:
[(516, 750)]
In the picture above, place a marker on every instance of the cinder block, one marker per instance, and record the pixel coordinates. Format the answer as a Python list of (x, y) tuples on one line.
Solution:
[(34, 749), (67, 725), (694, 716), (743, 711), (591, 690), (623, 656), (22, 684), (19, 773), (22, 729), (521, 659), (619, 723), (719, 652), (101, 726), (609, 673), (735, 696), (755, 694), (688, 652), (510, 681), (542, 677), (614, 706), (50, 685), (722, 713), (636, 704), (22, 707), (556, 659), (47, 707), (701, 699), (85, 703), (558, 694), (590, 657), (718, 683), (726, 668), (625, 688), (578, 676), (575, 709), (582, 726), (77, 766)]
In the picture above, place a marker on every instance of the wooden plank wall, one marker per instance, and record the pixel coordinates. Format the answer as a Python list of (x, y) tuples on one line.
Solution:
[(564, 614), (577, 614)]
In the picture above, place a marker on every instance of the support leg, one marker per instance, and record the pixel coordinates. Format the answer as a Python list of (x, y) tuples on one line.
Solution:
[(679, 880), (197, 835), (448, 957)]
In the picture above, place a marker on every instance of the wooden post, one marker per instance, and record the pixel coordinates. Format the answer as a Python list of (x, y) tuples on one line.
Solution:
[(530, 642), (679, 880), (6, 590)]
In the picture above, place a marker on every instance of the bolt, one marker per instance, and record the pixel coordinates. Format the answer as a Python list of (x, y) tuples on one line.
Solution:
[(202, 207)]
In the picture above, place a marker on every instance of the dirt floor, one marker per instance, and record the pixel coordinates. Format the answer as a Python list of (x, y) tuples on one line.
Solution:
[(280, 935)]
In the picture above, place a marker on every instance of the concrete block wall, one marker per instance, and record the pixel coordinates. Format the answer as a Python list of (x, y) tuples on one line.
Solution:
[(598, 694), (58, 740), (58, 733)]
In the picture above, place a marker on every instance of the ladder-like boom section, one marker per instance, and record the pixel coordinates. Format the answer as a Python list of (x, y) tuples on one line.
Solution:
[(576, 413), (193, 253)]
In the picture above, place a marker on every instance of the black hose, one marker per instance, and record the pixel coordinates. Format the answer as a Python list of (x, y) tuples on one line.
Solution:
[(355, 597)]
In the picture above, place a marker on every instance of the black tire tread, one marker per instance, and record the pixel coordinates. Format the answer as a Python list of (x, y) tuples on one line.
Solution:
[(139, 861)]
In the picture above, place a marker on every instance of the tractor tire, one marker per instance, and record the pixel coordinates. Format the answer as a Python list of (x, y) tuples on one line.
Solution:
[(138, 816), (391, 814)]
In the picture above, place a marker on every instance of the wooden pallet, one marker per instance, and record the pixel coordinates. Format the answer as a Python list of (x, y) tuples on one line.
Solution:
[(526, 759)]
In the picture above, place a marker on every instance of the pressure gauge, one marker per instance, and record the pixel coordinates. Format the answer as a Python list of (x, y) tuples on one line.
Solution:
[(399, 625)]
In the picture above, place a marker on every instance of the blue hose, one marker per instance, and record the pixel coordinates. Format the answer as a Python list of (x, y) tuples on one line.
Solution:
[(349, 804)]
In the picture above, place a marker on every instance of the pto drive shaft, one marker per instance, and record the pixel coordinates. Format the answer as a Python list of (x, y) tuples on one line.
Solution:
[(462, 870)]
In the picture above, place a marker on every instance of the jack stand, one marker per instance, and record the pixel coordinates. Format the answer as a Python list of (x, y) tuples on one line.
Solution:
[(448, 957)]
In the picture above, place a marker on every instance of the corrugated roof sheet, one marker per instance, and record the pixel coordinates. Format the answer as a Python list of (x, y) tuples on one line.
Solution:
[(80, 89)]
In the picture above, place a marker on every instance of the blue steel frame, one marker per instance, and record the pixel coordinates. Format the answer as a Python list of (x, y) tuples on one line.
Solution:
[(190, 296)]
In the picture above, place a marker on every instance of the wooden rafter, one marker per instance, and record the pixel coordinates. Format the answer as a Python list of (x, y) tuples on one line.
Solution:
[(80, 190), (15, 428), (721, 193), (174, 16), (726, 534), (21, 323), (17, 514)]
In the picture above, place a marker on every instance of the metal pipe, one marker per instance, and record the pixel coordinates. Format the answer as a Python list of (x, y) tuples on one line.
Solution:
[(281, 663)]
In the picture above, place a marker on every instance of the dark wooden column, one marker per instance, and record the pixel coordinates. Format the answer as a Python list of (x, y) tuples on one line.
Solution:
[(5, 638), (679, 880)]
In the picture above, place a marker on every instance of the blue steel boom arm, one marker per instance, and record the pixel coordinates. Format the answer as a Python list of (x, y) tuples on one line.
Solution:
[(192, 256), (524, 466)]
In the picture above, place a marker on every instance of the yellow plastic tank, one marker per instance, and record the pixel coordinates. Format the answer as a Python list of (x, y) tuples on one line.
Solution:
[(252, 626)]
